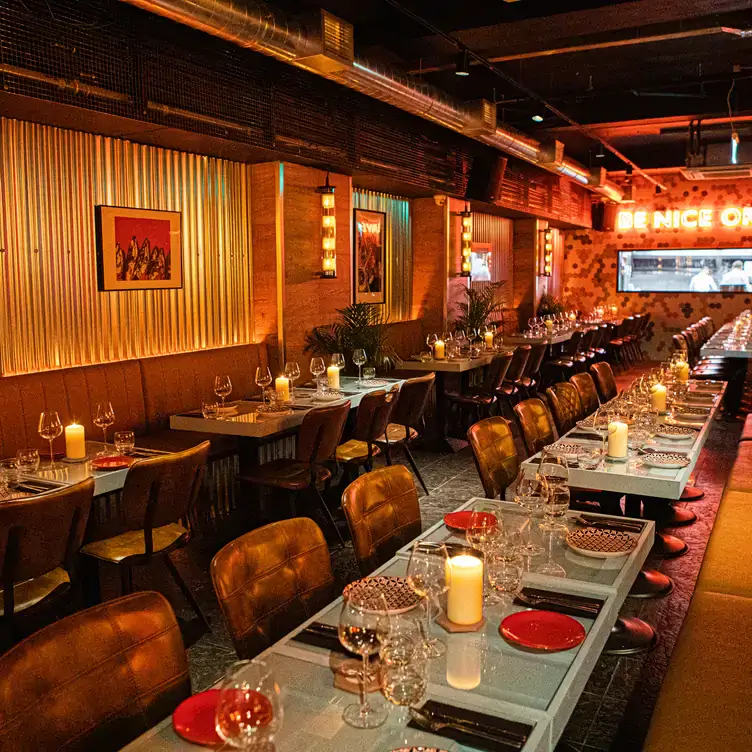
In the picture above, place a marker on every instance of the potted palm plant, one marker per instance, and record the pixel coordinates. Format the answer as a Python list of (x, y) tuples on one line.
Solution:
[(479, 306)]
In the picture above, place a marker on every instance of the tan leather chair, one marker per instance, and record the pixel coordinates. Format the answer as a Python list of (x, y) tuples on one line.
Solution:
[(565, 405), (585, 386), (94, 681), (318, 437), (536, 426), (383, 513), (39, 540), (371, 420), (407, 419), (495, 454), (270, 580), (158, 495), (603, 376)]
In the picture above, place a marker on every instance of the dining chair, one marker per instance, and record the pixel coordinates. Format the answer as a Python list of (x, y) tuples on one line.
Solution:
[(585, 386), (495, 455), (158, 496), (529, 380), (535, 424), (306, 473), (383, 514), (509, 392), (96, 680), (585, 352), (407, 420), (565, 405), (271, 580), (568, 361), (39, 540), (605, 384)]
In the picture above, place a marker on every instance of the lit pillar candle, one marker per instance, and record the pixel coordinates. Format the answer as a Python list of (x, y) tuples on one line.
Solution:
[(282, 387), (488, 337), (75, 442), (658, 398), (465, 596), (682, 371), (439, 349), (463, 661), (332, 374), (617, 439)]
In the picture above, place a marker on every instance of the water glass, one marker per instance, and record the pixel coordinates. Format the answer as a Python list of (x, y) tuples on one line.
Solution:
[(505, 573), (125, 441), (27, 460), (249, 708), (210, 410), (590, 458), (404, 684), (369, 374), (8, 473)]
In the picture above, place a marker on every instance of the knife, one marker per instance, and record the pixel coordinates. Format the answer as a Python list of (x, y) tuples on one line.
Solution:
[(435, 726)]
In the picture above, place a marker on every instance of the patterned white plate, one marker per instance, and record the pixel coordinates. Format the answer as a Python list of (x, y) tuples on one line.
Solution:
[(399, 596), (601, 544), (676, 432), (665, 460)]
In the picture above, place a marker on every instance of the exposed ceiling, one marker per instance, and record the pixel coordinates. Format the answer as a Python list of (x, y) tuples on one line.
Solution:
[(631, 61)]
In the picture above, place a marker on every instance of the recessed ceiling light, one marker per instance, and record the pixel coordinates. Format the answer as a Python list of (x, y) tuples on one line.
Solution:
[(538, 118)]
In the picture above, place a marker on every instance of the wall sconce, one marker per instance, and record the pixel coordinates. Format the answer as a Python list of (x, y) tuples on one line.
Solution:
[(467, 240), (328, 231), (547, 257)]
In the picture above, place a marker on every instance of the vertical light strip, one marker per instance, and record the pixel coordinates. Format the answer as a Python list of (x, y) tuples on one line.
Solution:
[(51, 313), (279, 214)]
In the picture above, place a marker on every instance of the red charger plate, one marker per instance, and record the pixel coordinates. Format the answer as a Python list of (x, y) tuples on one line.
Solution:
[(461, 520), (542, 630), (194, 718), (115, 462)]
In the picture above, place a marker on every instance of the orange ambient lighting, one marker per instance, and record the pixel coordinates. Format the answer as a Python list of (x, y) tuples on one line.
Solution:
[(687, 219)]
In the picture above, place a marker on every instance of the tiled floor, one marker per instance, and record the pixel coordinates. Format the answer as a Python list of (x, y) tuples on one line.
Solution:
[(615, 708)]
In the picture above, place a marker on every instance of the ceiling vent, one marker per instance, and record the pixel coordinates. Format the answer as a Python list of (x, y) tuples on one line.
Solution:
[(482, 117), (713, 162), (337, 46), (720, 172)]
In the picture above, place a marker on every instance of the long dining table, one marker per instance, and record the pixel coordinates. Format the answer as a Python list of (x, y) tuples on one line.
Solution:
[(535, 692)]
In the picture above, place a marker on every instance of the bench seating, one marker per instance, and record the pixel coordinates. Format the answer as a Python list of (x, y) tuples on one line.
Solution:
[(143, 393)]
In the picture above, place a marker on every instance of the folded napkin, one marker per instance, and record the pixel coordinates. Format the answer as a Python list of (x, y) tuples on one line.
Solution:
[(324, 636), (563, 603), (627, 525), (510, 735)]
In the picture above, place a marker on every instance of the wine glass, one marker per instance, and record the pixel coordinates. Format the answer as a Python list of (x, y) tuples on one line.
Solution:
[(403, 683), (249, 709), (50, 427), (428, 574), (529, 495), (484, 526), (338, 361), (555, 506), (292, 371), (318, 369), (263, 380), (359, 633), (431, 340), (104, 417), (360, 359), (223, 387), (27, 460)]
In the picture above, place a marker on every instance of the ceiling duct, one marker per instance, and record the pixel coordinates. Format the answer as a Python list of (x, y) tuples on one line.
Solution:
[(325, 50), (712, 161)]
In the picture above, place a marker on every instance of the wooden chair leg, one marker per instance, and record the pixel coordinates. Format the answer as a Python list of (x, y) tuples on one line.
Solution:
[(329, 515), (187, 594), (411, 460), (126, 580)]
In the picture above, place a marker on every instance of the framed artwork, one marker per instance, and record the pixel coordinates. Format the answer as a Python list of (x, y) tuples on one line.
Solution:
[(138, 249), (369, 275)]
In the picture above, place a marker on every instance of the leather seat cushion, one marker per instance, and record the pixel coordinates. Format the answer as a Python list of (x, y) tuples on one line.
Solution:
[(747, 430), (704, 695), (740, 477), (29, 593), (355, 451), (170, 440), (396, 433), (283, 473), (470, 399), (132, 543)]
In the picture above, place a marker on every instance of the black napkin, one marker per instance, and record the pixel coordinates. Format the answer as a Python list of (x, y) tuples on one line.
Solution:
[(583, 435), (487, 723), (569, 610), (325, 636), (626, 525)]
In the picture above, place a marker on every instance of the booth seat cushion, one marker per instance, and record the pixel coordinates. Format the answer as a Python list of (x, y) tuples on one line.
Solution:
[(704, 699), (740, 477), (727, 567), (171, 440), (175, 383), (747, 430)]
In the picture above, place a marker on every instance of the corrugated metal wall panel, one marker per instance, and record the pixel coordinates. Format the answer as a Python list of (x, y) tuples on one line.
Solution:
[(51, 313), (497, 231)]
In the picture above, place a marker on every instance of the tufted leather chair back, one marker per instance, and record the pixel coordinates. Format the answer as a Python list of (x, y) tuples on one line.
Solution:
[(585, 386), (41, 533), (383, 513), (519, 361), (536, 426), (604, 381), (496, 372), (535, 360), (373, 414), (94, 681), (320, 432), (495, 454), (270, 580), (565, 405), (412, 401)]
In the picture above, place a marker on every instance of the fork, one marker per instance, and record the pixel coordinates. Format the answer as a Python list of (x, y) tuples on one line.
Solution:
[(428, 720), (572, 602)]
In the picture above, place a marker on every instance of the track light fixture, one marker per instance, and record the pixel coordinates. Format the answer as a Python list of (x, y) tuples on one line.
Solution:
[(463, 64)]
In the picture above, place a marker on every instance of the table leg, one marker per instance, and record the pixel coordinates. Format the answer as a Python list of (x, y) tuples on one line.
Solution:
[(435, 438)]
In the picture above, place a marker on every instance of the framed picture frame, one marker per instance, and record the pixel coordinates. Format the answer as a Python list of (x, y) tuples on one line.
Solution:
[(138, 249), (369, 265)]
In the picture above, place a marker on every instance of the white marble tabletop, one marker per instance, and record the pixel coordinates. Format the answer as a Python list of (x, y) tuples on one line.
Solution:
[(460, 365), (722, 344)]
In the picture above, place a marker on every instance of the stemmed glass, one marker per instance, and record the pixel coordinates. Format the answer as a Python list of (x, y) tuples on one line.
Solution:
[(428, 574), (223, 387), (553, 471), (549, 567), (263, 380), (338, 361), (249, 708), (529, 495), (484, 527), (318, 369), (292, 371), (431, 340), (50, 427), (360, 359), (104, 418), (359, 633)]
